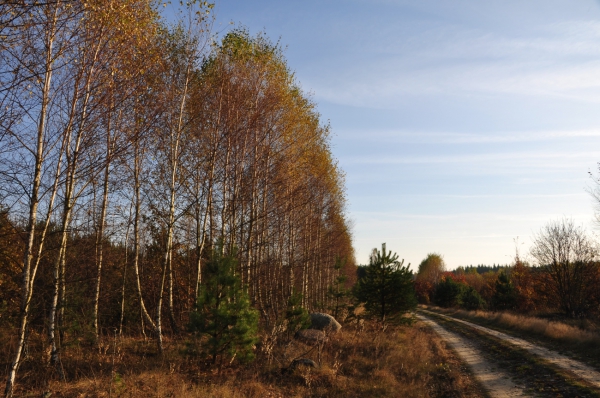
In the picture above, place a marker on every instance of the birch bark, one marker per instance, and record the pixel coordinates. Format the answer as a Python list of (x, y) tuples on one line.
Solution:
[(34, 199)]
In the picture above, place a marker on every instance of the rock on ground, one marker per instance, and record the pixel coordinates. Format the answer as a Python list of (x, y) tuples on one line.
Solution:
[(322, 321), (303, 362)]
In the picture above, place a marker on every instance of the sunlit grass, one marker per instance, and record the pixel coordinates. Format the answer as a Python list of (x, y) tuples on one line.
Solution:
[(407, 361)]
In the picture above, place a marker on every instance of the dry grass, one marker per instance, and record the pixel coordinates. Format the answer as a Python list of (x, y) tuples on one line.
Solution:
[(402, 361)]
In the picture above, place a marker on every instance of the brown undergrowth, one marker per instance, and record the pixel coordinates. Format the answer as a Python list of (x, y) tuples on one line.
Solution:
[(407, 361)]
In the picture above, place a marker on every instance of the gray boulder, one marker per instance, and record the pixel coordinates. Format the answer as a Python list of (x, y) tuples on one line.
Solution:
[(311, 336), (322, 321), (309, 363)]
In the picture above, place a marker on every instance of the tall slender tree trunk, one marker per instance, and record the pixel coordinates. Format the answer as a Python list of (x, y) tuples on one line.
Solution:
[(225, 204), (28, 275), (201, 232), (158, 327), (145, 316), (57, 313), (100, 235), (251, 226), (124, 274), (58, 293), (174, 150)]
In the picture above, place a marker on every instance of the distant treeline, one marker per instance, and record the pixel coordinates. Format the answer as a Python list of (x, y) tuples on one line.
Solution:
[(480, 268), (564, 278)]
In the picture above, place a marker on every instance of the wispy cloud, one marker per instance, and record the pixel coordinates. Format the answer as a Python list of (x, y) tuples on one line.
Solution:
[(559, 160), (405, 136), (559, 60), (467, 218)]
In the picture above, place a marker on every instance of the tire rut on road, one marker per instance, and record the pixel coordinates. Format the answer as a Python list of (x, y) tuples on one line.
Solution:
[(496, 382), (579, 369)]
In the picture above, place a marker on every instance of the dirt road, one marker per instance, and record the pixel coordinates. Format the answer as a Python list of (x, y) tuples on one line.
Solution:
[(496, 382), (579, 369)]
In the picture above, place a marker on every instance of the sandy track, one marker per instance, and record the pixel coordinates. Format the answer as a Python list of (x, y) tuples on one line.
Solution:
[(496, 382), (579, 369)]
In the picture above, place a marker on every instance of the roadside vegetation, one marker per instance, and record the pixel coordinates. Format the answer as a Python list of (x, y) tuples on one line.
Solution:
[(360, 360)]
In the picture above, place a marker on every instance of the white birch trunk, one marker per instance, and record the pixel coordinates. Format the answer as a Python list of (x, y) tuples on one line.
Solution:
[(28, 276)]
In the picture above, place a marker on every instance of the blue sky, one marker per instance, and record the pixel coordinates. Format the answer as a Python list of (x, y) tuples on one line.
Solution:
[(461, 125)]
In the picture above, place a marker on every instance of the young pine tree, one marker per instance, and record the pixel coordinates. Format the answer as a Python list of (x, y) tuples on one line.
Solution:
[(471, 300), (223, 312), (387, 288), (505, 294), (448, 293)]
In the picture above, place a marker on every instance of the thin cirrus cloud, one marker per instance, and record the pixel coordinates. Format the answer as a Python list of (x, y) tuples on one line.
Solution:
[(432, 137), (498, 196), (459, 61), (456, 216), (528, 158), (381, 89)]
